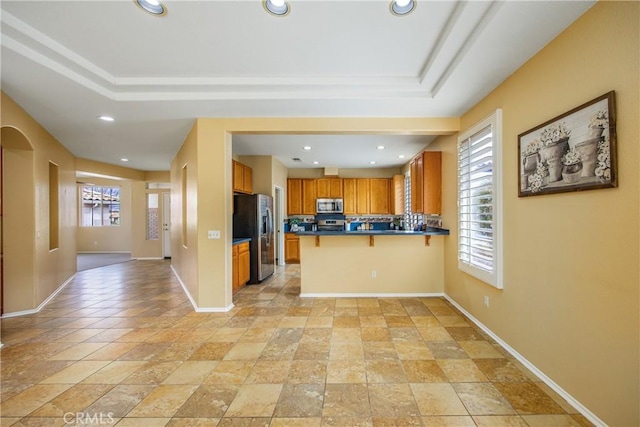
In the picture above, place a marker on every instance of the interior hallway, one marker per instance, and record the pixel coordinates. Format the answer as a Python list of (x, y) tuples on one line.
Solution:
[(122, 345)]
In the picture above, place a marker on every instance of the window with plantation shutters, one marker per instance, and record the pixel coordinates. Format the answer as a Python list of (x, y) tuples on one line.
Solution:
[(479, 201)]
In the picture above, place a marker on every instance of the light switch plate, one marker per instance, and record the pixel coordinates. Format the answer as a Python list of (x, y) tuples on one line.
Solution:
[(214, 234)]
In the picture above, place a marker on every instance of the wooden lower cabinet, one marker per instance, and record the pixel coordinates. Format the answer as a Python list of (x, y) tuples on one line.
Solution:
[(291, 248), (241, 272)]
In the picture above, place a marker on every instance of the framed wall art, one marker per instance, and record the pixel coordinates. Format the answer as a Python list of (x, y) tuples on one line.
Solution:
[(572, 152)]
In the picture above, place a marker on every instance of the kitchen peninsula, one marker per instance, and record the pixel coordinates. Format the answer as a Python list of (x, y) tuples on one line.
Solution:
[(372, 263)]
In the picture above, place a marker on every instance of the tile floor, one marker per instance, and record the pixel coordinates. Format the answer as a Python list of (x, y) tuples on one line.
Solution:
[(121, 345)]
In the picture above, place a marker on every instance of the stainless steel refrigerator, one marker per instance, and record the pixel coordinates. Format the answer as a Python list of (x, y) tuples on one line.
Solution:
[(253, 217)]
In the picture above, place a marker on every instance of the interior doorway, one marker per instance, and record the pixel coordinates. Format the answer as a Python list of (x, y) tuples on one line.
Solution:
[(166, 225), (279, 204)]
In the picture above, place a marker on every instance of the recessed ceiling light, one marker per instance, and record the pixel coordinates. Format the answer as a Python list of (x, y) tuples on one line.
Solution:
[(106, 118), (154, 7), (380, 147), (401, 156), (124, 160), (306, 147), (276, 7), (402, 7), (372, 162), (316, 162)]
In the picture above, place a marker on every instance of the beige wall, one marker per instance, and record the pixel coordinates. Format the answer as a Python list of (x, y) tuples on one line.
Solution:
[(344, 265), (36, 272), (262, 173), (570, 302), (109, 238)]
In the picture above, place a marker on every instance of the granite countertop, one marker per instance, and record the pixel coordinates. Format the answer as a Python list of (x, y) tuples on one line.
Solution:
[(430, 231), (237, 240)]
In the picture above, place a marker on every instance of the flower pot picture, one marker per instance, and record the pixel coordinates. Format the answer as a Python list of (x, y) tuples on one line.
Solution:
[(572, 173), (588, 151), (571, 152)]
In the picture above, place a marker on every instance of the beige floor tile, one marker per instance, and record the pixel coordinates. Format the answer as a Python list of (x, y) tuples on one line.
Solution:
[(308, 372), (255, 335), (483, 399), (212, 351), (255, 400), (193, 422), (346, 400), (73, 400), (76, 372), (80, 335), (437, 399), (346, 334), (319, 322), (379, 350), (480, 350), (376, 334), (78, 351), (423, 371), (163, 401), (144, 422), (435, 333), (295, 422), (528, 399), (500, 421), (293, 322), (413, 351), (245, 351), (230, 372), (346, 351), (375, 321), (392, 400), (269, 372), (346, 371), (152, 373), (300, 400), (31, 399), (462, 370), (209, 401), (191, 372), (385, 371), (227, 335), (448, 421), (501, 370), (111, 351), (425, 322), (114, 372), (138, 335)]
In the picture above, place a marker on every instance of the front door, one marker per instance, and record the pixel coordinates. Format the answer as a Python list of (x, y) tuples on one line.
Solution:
[(166, 225)]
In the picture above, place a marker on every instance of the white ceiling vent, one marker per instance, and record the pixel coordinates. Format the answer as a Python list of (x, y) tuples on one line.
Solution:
[(330, 171)]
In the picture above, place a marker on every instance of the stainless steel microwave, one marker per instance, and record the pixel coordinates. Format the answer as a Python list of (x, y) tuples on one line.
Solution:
[(324, 206)]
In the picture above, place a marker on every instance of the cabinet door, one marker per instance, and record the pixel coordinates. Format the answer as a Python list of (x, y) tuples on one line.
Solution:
[(238, 174), (432, 182), (349, 195), (362, 196), (335, 188), (416, 185), (323, 188), (247, 179), (243, 264), (309, 196), (291, 248), (294, 196), (397, 195), (379, 198), (235, 275)]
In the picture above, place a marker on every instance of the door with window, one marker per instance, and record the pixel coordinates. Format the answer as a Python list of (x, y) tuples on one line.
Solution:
[(166, 225)]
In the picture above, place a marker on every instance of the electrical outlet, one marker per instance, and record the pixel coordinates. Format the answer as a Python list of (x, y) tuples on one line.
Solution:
[(213, 234), (486, 301), (373, 274)]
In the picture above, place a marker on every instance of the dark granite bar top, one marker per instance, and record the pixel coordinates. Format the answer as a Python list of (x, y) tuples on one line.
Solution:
[(430, 231), (237, 240)]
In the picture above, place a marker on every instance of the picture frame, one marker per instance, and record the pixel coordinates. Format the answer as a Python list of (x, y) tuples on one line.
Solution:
[(572, 152)]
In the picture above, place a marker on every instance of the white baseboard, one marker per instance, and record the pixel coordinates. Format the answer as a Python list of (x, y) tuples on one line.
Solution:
[(370, 295), (148, 258), (43, 303), (103, 252), (537, 372), (193, 302)]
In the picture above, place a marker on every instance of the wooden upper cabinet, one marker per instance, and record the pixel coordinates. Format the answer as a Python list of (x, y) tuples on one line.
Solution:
[(432, 182), (309, 196), (242, 178), (379, 196), (426, 183), (397, 195), (362, 195), (329, 188), (349, 196), (294, 197)]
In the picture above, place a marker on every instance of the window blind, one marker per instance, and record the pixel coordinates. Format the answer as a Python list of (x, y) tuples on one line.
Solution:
[(476, 200)]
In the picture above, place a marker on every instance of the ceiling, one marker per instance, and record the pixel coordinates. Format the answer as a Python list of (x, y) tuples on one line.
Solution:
[(68, 62)]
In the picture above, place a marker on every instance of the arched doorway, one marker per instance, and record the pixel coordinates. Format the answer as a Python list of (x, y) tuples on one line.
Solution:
[(17, 221)]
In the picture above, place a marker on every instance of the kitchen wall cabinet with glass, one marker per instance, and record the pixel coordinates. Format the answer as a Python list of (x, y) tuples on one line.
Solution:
[(242, 178), (426, 183)]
